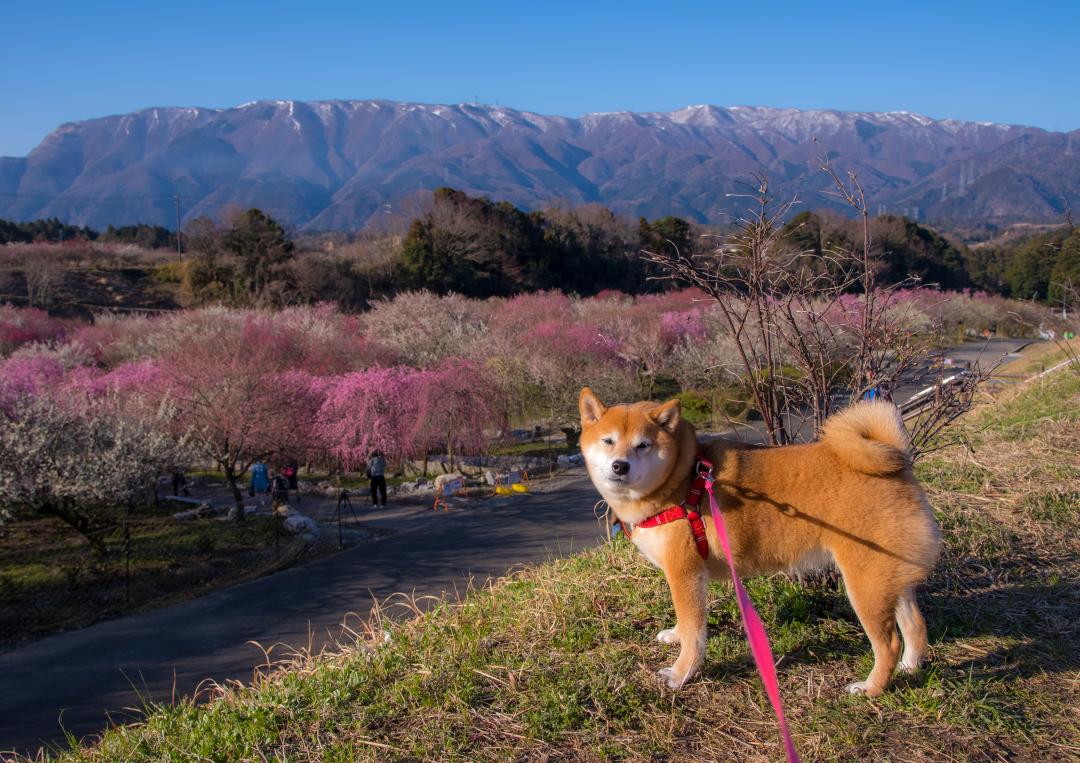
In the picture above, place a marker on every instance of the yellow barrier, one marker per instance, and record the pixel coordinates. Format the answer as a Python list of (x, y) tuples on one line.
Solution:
[(514, 482)]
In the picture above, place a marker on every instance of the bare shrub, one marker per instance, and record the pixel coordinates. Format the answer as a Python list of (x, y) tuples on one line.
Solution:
[(812, 331), (44, 274)]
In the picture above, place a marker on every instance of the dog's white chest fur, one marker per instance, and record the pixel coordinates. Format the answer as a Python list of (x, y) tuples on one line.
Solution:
[(650, 544)]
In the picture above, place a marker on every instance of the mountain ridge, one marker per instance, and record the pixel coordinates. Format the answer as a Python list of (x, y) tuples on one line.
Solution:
[(337, 164)]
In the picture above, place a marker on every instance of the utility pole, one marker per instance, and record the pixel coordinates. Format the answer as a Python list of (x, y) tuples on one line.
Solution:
[(179, 251)]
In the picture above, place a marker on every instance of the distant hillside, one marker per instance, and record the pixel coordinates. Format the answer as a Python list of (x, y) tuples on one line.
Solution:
[(336, 164)]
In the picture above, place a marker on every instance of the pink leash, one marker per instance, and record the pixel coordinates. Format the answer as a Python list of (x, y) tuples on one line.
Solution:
[(755, 631)]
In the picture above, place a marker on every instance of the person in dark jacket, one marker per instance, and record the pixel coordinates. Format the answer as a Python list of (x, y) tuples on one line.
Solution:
[(179, 483), (292, 474), (279, 489), (377, 474)]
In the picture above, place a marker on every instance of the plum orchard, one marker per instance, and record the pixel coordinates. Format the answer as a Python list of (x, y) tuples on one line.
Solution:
[(417, 374)]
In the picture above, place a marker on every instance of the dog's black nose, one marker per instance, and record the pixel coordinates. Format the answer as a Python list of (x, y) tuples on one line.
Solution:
[(620, 467)]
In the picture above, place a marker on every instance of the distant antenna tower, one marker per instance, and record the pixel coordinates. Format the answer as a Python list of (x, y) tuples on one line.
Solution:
[(179, 251)]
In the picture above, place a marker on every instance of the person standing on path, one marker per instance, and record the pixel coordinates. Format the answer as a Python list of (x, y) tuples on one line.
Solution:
[(260, 483), (279, 485), (292, 474), (377, 474)]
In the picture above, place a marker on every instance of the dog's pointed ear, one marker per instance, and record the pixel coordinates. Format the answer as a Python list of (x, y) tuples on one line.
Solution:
[(590, 407), (668, 415)]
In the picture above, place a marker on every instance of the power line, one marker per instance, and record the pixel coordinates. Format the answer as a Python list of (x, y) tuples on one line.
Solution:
[(161, 200), (64, 197)]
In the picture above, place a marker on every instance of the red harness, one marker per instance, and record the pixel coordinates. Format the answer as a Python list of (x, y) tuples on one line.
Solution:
[(688, 508)]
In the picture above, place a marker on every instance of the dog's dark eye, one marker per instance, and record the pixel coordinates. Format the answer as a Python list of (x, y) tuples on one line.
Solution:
[(642, 445), (607, 441)]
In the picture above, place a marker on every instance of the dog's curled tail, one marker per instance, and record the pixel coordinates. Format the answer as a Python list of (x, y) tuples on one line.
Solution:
[(869, 437)]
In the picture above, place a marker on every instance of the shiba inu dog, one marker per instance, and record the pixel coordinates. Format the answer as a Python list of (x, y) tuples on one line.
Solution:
[(849, 499)]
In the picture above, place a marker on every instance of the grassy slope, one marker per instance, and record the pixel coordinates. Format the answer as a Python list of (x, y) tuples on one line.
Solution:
[(558, 661)]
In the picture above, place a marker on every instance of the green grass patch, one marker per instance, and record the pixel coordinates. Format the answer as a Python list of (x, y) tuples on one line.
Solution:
[(542, 448), (52, 579), (1040, 401)]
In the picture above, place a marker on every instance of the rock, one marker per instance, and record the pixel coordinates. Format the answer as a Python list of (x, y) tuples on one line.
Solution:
[(565, 462), (303, 526), (489, 477), (202, 511)]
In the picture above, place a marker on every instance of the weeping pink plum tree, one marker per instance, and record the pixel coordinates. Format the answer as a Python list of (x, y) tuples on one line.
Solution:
[(459, 406), (367, 410), (405, 412)]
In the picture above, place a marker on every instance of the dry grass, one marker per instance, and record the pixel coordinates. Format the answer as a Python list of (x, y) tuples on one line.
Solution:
[(557, 662)]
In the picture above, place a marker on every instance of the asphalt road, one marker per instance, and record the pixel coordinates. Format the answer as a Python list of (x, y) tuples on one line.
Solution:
[(87, 676)]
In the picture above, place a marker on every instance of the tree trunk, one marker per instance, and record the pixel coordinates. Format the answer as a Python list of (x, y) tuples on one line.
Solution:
[(81, 523), (573, 436), (238, 495)]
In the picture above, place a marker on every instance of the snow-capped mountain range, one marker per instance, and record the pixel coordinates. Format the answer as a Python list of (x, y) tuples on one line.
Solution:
[(337, 164)]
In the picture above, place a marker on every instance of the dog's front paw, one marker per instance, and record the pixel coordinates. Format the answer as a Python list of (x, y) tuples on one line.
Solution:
[(668, 636), (672, 678), (913, 667), (863, 688)]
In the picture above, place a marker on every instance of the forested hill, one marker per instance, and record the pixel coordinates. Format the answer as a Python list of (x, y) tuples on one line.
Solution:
[(477, 247)]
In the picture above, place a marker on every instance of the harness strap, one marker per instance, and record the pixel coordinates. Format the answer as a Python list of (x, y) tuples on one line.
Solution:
[(688, 508), (675, 513)]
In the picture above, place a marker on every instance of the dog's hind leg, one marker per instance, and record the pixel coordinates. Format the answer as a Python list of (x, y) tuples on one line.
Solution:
[(913, 628), (875, 604)]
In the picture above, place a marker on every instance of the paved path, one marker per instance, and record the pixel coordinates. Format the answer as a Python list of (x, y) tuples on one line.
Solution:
[(85, 673)]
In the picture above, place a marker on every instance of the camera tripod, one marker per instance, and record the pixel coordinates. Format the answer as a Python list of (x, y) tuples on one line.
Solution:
[(343, 502)]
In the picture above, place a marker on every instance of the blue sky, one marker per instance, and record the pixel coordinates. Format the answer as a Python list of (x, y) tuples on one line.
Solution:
[(1003, 62)]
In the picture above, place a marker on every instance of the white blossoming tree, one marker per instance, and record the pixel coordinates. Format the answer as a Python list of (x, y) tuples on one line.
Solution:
[(74, 461)]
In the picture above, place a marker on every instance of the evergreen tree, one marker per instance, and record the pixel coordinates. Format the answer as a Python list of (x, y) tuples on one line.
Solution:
[(1065, 277), (262, 247), (1029, 267)]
